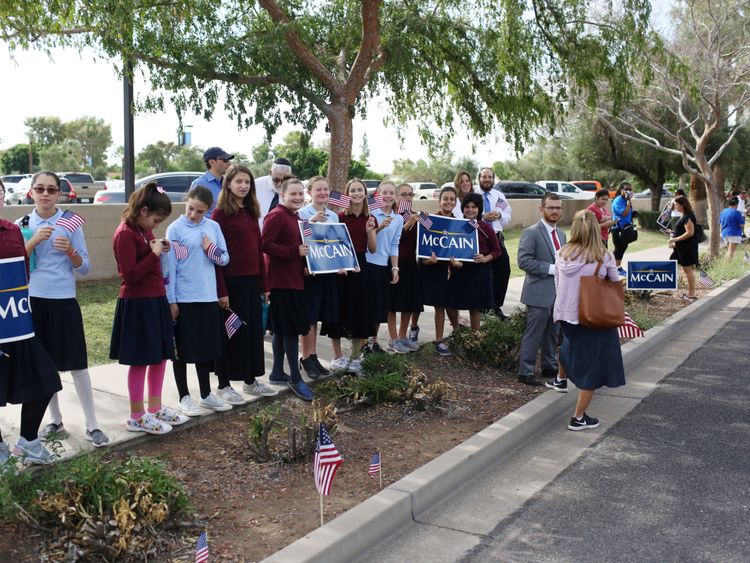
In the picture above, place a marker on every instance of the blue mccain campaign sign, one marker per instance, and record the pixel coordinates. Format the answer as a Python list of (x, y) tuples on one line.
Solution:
[(15, 309), (447, 237), (652, 275), (331, 247)]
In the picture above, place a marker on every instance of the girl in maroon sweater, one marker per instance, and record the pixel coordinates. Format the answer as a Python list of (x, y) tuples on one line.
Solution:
[(282, 243), (142, 335)]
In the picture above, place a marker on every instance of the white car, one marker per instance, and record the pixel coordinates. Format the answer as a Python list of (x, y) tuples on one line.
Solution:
[(13, 194), (565, 188), (424, 190)]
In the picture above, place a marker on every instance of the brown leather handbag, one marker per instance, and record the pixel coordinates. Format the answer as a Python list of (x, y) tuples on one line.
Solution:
[(601, 302)]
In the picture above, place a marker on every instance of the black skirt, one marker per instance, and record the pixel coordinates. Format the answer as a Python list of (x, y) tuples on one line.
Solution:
[(353, 309), (592, 358), (59, 326), (27, 373), (378, 287), (406, 295), (470, 287), (142, 332), (289, 312), (686, 253), (198, 332), (322, 298), (434, 280), (244, 354)]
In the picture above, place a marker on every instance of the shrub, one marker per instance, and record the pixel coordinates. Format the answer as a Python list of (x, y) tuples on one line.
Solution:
[(647, 220), (495, 344)]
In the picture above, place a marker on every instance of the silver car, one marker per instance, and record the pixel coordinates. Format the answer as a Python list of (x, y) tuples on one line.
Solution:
[(175, 185)]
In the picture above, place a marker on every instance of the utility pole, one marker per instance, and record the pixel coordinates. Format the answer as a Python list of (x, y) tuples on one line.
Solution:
[(128, 159)]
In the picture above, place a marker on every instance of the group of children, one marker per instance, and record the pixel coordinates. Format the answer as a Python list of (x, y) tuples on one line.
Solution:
[(197, 296)]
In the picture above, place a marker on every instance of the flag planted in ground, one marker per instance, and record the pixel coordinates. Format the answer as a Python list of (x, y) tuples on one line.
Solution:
[(629, 329), (704, 280), (374, 465), (339, 200), (201, 549), (424, 220), (326, 462), (233, 324), (70, 221)]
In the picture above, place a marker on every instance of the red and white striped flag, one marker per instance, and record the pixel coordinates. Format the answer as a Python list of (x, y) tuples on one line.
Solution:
[(306, 229), (629, 329), (425, 220), (375, 202), (70, 221), (201, 549), (339, 200), (180, 251), (233, 324), (326, 463), (403, 206), (704, 280), (374, 468), (214, 253)]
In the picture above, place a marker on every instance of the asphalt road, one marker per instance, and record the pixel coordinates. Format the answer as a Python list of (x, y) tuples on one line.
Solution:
[(669, 482)]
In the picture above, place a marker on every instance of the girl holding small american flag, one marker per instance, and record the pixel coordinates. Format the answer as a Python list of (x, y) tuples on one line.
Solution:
[(470, 284), (60, 250), (198, 247)]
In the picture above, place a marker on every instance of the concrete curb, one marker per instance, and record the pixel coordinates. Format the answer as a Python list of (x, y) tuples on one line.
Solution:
[(385, 513)]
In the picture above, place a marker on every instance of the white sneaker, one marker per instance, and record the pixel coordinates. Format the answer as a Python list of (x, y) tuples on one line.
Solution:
[(32, 452), (189, 407), (230, 396), (340, 364), (259, 390), (214, 403), (148, 423), (355, 367), (170, 416)]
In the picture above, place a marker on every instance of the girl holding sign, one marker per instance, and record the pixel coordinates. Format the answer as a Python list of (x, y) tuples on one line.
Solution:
[(241, 283), (353, 286), (142, 335), (28, 376), (321, 290), (60, 250), (434, 274), (197, 247), (382, 264), (470, 284), (282, 242)]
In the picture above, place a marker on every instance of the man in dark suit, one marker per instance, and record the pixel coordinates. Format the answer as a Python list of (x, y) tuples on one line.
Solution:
[(536, 256)]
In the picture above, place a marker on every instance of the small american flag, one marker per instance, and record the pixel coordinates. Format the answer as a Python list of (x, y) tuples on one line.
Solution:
[(501, 203), (629, 329), (471, 225), (180, 251), (704, 280), (375, 202), (201, 549), (70, 221), (306, 229), (214, 253), (233, 324), (326, 463), (425, 220), (403, 206), (339, 200), (374, 465)]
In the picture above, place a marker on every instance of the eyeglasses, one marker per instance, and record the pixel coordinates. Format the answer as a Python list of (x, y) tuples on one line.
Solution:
[(40, 190), (276, 180), (410, 194), (548, 208)]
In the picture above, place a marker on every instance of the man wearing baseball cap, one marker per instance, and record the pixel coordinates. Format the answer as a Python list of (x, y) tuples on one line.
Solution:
[(217, 163)]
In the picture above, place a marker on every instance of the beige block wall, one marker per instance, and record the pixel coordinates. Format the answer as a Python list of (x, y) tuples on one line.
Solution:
[(102, 220)]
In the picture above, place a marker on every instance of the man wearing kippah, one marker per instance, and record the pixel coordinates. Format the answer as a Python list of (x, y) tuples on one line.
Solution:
[(266, 187), (217, 163)]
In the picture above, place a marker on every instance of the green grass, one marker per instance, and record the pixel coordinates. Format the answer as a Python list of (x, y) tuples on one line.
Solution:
[(97, 299), (646, 239)]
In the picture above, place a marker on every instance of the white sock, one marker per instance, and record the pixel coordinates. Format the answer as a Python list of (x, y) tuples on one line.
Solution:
[(54, 409), (82, 382)]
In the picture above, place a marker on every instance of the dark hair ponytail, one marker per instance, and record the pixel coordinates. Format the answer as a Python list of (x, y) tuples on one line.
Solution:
[(152, 198), (202, 194)]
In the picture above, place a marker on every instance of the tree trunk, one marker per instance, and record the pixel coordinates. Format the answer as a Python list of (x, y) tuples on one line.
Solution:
[(658, 188), (698, 198), (715, 204), (340, 122)]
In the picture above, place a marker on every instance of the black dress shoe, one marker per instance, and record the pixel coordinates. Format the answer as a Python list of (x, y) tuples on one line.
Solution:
[(310, 368), (321, 368), (530, 380)]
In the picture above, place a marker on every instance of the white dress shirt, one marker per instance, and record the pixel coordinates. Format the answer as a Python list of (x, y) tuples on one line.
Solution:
[(265, 192), (505, 214), (551, 228)]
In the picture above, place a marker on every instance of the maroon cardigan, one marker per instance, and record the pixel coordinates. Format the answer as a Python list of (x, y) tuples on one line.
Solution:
[(281, 242), (138, 267)]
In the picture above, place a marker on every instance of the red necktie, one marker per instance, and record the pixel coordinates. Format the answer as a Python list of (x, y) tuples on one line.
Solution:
[(554, 239)]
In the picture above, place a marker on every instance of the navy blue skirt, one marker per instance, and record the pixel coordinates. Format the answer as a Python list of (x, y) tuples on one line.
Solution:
[(434, 283), (406, 295), (59, 326), (199, 332), (592, 358), (142, 332), (27, 373), (470, 287), (288, 312), (243, 357), (378, 287), (322, 298)]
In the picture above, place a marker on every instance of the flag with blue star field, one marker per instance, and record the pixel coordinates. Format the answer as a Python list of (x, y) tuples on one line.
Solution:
[(326, 462)]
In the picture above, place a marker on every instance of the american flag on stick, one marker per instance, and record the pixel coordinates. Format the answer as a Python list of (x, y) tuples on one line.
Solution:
[(403, 206), (501, 203), (326, 463), (70, 221), (180, 251), (375, 202), (374, 468), (306, 229), (339, 200), (629, 329), (471, 225), (233, 323), (425, 220), (704, 280), (214, 253), (201, 549)]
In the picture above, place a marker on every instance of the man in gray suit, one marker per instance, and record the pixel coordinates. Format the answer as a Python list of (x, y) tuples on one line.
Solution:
[(536, 256)]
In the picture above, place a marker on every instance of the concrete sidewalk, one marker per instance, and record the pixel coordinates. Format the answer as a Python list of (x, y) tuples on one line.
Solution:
[(110, 382)]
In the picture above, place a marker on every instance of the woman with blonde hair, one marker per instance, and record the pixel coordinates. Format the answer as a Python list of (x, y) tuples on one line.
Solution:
[(590, 357)]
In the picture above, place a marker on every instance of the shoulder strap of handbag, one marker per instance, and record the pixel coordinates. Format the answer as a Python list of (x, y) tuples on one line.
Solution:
[(598, 267)]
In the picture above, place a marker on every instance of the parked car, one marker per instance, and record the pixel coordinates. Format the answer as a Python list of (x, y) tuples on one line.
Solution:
[(84, 185), (523, 190), (565, 188), (14, 178), (647, 193), (13, 195), (175, 185), (67, 193), (588, 185), (424, 190)]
